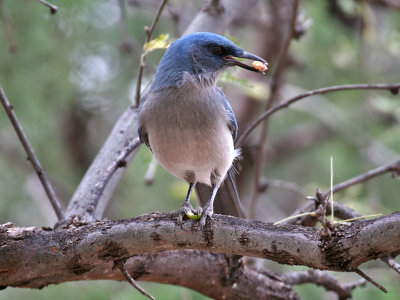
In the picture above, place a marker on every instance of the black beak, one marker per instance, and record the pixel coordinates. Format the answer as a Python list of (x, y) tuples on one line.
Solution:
[(230, 61)]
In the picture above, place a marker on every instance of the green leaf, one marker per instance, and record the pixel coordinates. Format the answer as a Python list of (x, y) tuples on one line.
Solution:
[(161, 42)]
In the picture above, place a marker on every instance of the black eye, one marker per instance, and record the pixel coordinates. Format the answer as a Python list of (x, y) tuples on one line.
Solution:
[(218, 50)]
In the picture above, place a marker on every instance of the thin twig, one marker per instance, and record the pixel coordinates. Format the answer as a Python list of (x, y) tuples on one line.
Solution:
[(52, 7), (122, 266), (275, 85), (391, 167), (55, 202), (149, 33), (366, 277), (120, 162), (12, 44), (394, 88)]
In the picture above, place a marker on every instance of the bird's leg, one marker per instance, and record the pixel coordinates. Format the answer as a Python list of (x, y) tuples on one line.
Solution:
[(208, 209), (186, 206)]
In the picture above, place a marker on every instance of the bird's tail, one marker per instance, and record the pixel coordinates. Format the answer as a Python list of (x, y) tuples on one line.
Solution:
[(227, 201)]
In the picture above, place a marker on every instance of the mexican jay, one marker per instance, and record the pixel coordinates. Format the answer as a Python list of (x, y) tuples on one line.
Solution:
[(186, 120)]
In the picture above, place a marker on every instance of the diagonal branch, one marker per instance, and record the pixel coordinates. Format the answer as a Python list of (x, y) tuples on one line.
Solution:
[(120, 162), (55, 202), (390, 167), (52, 7), (393, 88), (149, 33), (122, 266)]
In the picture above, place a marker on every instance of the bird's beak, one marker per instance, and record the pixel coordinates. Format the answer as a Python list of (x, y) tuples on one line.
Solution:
[(258, 65)]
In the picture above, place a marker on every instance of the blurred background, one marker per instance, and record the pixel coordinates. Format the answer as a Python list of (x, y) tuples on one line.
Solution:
[(70, 76)]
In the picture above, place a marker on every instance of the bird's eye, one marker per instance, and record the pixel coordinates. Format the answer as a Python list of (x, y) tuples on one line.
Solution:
[(218, 50)]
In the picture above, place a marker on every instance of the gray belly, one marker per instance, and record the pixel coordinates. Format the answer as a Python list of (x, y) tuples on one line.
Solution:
[(188, 132), (203, 151)]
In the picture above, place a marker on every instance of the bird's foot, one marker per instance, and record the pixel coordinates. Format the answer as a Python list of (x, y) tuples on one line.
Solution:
[(207, 212), (188, 211)]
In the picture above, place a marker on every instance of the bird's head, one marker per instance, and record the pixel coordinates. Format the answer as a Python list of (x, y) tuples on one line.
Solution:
[(202, 56)]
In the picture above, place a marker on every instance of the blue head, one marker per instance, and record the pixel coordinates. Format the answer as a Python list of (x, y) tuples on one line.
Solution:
[(203, 54)]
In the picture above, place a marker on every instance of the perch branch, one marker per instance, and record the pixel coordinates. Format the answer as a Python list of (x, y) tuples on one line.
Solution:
[(80, 249)]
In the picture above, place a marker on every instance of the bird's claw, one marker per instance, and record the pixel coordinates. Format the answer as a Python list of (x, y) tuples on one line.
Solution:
[(207, 212), (186, 210)]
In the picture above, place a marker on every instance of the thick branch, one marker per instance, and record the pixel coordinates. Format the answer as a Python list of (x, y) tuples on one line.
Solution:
[(85, 202), (78, 250)]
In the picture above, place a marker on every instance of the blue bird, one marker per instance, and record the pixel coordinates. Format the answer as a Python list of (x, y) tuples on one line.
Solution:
[(188, 123)]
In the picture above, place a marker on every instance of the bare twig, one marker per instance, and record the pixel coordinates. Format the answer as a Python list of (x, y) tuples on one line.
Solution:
[(394, 88), (52, 7), (118, 163), (12, 44), (391, 167), (275, 85), (369, 279), (122, 266), (55, 202), (149, 33), (330, 283)]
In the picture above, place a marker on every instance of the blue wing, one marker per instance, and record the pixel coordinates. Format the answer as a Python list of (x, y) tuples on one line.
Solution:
[(233, 126)]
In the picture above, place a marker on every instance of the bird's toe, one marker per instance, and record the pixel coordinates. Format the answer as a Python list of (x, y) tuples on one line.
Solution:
[(207, 212)]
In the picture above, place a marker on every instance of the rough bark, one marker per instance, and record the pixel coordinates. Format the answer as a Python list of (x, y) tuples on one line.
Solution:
[(34, 257)]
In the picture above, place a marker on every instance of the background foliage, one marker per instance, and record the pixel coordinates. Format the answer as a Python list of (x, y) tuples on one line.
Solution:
[(73, 73)]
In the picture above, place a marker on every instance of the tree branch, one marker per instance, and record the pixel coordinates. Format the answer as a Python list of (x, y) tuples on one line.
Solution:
[(393, 88), (121, 265), (330, 283), (391, 167), (82, 204), (78, 250), (120, 162), (32, 156), (52, 7), (149, 33)]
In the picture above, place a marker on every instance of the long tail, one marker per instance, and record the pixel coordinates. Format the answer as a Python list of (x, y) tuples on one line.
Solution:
[(227, 201)]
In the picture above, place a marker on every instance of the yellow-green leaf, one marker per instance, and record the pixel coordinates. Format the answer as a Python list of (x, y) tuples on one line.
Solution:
[(161, 42)]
